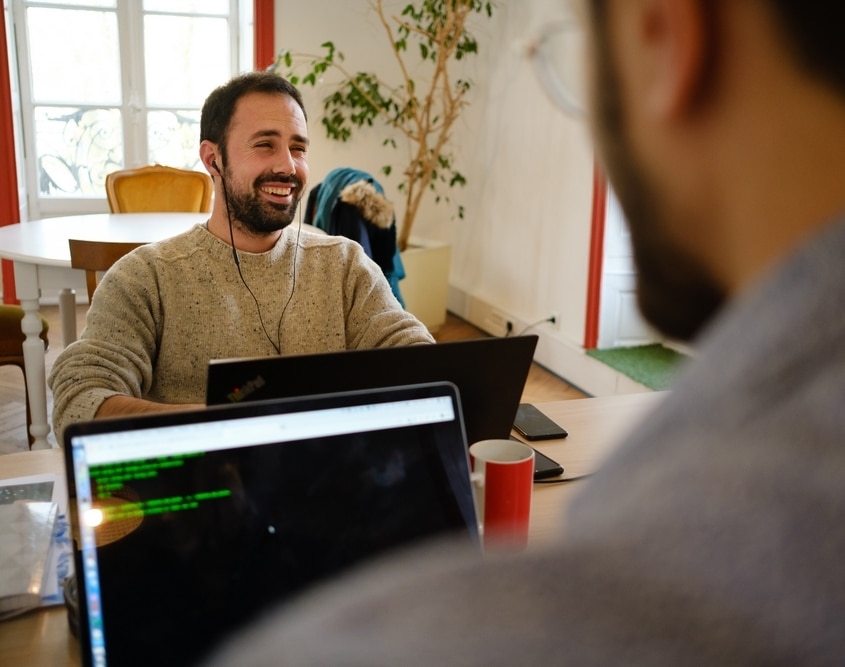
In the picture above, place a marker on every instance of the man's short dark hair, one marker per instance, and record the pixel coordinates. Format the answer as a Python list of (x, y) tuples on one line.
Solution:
[(220, 105)]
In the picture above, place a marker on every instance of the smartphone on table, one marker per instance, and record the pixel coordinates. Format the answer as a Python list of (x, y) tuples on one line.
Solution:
[(544, 466), (532, 424)]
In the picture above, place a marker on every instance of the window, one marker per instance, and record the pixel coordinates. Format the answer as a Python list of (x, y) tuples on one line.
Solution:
[(113, 83)]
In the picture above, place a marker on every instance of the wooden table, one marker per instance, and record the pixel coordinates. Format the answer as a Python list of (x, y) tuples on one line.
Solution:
[(40, 252), (594, 424)]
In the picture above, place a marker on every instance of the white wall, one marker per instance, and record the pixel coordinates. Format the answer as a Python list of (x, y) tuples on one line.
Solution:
[(522, 247)]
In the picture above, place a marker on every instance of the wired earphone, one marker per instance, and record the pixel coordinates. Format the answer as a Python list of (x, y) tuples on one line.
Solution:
[(277, 345)]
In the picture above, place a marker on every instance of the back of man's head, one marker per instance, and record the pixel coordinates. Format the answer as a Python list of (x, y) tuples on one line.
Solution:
[(720, 124)]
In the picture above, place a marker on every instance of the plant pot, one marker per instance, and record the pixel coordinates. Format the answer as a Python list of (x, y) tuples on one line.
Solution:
[(425, 288)]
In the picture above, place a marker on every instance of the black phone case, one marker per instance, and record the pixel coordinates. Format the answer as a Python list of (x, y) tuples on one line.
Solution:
[(532, 424), (544, 466)]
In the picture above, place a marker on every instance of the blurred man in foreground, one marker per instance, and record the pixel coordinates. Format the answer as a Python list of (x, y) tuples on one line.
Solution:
[(714, 536)]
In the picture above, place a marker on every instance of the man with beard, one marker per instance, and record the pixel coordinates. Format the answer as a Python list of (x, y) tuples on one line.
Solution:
[(245, 283), (714, 535)]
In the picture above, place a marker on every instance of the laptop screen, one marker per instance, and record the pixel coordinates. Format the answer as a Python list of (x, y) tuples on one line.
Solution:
[(191, 524)]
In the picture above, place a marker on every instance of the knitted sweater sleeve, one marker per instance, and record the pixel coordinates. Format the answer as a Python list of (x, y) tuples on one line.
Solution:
[(116, 351), (374, 317)]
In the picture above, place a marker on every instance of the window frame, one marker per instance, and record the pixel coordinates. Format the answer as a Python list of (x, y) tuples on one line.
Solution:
[(133, 107)]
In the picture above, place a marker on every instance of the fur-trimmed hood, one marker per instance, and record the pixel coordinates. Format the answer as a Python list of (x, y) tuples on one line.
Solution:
[(350, 202), (373, 206)]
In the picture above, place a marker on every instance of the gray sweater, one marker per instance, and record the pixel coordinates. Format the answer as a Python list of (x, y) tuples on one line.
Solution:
[(715, 535), (166, 309)]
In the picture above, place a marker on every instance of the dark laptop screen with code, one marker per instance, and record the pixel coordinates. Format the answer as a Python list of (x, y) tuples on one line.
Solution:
[(193, 523)]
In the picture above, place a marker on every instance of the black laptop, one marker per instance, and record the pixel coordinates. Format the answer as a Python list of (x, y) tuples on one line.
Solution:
[(490, 374), (193, 523)]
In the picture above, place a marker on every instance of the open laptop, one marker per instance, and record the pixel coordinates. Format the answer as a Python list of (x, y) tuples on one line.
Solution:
[(490, 374), (210, 517)]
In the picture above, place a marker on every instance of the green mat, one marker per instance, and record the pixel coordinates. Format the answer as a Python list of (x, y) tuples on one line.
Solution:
[(651, 365)]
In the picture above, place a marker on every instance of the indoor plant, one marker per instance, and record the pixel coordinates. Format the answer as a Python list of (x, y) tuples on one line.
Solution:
[(426, 39)]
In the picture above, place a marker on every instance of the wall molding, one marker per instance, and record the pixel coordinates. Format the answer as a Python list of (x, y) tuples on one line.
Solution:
[(565, 358)]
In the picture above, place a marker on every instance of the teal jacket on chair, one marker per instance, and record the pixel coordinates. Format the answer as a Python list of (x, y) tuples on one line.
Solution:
[(351, 203)]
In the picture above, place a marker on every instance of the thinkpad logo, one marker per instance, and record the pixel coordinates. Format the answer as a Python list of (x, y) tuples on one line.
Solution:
[(246, 390)]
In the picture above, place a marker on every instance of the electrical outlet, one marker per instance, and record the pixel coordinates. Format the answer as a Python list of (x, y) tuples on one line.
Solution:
[(554, 321), (497, 323)]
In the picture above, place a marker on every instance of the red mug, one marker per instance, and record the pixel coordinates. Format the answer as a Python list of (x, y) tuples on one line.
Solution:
[(503, 478)]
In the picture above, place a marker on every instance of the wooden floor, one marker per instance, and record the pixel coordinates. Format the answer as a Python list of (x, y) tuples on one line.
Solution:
[(540, 386)]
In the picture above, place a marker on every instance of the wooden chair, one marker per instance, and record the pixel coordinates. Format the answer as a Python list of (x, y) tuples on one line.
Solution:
[(158, 189), (11, 346), (96, 256)]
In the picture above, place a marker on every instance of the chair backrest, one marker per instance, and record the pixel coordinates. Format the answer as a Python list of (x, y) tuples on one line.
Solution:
[(94, 256), (158, 189)]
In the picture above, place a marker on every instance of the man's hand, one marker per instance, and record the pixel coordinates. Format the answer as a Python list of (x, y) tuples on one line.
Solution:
[(117, 406)]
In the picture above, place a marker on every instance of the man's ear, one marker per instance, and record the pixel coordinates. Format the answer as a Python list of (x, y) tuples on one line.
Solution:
[(679, 38), (208, 155)]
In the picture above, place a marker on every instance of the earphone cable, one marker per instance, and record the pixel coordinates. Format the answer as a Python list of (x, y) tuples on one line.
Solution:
[(293, 280), (276, 346)]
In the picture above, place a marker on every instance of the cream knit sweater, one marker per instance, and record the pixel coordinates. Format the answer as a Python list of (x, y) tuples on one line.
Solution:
[(166, 309)]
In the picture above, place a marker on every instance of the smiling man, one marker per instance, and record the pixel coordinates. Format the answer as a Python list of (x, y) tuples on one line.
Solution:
[(248, 282), (256, 145), (714, 535)]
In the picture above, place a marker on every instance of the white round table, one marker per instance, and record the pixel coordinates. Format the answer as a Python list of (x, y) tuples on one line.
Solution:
[(40, 252)]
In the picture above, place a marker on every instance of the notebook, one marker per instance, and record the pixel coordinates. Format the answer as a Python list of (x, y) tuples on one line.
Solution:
[(490, 374), (210, 517)]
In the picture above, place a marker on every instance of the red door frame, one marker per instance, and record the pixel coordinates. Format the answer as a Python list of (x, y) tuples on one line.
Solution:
[(594, 270), (9, 203), (264, 21)]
